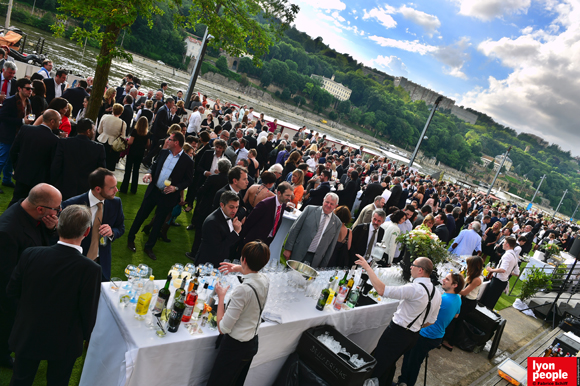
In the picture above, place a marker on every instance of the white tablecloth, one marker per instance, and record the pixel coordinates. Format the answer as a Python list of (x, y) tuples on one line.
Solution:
[(123, 351)]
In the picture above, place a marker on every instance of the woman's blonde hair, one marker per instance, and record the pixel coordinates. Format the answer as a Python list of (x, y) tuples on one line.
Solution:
[(117, 109), (142, 126), (110, 93), (300, 175), (174, 128), (68, 110)]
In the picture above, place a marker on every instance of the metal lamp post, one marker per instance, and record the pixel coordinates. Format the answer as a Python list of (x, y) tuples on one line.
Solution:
[(206, 38), (437, 101), (498, 171), (558, 207), (538, 188)]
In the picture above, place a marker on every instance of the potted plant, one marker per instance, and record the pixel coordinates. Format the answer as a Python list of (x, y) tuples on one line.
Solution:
[(549, 250), (420, 242), (536, 280)]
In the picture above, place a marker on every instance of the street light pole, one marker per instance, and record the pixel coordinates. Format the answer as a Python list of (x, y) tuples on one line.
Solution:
[(498, 170), (558, 207), (538, 188), (437, 101), (575, 210), (197, 68)]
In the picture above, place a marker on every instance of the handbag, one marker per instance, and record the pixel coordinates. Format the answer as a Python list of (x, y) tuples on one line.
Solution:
[(120, 143)]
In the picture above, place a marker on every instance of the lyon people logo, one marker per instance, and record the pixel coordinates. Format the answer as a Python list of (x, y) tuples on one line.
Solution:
[(552, 371)]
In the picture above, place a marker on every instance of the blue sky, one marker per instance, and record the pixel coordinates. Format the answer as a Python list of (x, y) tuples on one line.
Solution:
[(515, 60)]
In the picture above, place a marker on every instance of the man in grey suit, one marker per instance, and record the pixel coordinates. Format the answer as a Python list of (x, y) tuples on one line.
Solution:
[(366, 215), (313, 235), (230, 152)]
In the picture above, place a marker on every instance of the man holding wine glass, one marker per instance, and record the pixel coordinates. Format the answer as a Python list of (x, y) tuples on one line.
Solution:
[(173, 166)]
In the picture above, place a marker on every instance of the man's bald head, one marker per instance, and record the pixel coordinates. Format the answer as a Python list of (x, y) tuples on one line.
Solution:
[(51, 118), (44, 194), (426, 266)]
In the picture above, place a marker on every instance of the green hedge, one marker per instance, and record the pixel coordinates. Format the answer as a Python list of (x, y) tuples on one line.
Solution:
[(205, 67)]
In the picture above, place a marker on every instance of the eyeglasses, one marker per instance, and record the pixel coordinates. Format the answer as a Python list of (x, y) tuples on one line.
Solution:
[(28, 88), (416, 266), (57, 210)]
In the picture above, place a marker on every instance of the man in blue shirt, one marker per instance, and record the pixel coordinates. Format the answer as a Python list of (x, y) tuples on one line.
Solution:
[(467, 241), (431, 336)]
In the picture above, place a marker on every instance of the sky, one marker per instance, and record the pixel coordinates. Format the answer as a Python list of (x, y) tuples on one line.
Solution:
[(518, 61)]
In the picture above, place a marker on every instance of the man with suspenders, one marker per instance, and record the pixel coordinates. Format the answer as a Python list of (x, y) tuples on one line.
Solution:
[(419, 306)]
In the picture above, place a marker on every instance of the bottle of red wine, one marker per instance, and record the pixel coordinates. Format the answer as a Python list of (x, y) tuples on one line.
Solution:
[(162, 298), (176, 315), (190, 301)]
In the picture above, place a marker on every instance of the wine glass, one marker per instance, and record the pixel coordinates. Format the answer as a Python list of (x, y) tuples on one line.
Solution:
[(167, 182)]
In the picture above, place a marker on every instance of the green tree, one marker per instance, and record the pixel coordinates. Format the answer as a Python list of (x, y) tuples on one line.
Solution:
[(246, 66), (308, 87), (233, 23), (355, 115), (332, 115), (286, 94), (266, 78), (490, 165), (292, 66), (222, 64), (344, 107)]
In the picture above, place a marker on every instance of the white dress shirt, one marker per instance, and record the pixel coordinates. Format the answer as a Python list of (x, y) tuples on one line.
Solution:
[(93, 201), (372, 235), (8, 86), (242, 315), (508, 262), (242, 153), (214, 163), (414, 300), (194, 125), (77, 247), (229, 221), (57, 90)]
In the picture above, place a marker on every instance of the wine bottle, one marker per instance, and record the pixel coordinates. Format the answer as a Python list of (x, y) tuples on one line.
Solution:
[(145, 299), (190, 302), (548, 351), (343, 280), (176, 314), (324, 296), (340, 297), (332, 290), (350, 282), (199, 305), (180, 292), (162, 297), (353, 297)]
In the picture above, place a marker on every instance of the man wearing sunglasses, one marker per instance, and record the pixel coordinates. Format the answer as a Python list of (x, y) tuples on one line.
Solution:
[(13, 114), (32, 153), (28, 223), (419, 306)]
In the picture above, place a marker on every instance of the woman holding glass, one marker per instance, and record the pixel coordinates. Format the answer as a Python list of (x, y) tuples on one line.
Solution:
[(240, 322), (111, 127)]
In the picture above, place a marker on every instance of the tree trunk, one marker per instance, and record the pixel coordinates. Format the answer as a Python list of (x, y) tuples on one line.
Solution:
[(102, 71)]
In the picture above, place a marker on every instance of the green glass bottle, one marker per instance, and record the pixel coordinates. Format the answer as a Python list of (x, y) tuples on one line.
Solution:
[(162, 297)]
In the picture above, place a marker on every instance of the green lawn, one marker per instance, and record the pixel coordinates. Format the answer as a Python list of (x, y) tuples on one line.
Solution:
[(167, 255)]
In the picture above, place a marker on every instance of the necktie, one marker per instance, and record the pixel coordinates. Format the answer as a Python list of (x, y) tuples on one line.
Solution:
[(318, 235), (370, 245), (278, 211), (95, 236), (5, 87)]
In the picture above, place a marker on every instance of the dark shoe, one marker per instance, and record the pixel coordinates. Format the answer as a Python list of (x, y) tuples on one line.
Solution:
[(7, 361), (131, 246), (175, 224), (188, 209), (147, 229), (150, 253), (190, 227), (9, 184), (163, 233), (190, 256)]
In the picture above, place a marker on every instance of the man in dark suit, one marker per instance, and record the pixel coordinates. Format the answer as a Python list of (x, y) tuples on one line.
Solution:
[(230, 152), (396, 192), (220, 231), (450, 224), (227, 125), (316, 196), (63, 273), (346, 176), (159, 130), (8, 85), (372, 190), (237, 182), (192, 189), (404, 196), (76, 96), (32, 153), (266, 218), (208, 163), (12, 116), (252, 143), (55, 86), (122, 92), (29, 223), (107, 218), (529, 235), (206, 193), (75, 158), (127, 115), (441, 228), (366, 236), (172, 165)]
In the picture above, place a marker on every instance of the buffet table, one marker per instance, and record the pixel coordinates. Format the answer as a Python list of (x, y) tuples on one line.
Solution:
[(124, 351)]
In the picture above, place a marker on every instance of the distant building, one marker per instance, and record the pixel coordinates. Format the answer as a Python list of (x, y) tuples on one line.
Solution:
[(420, 93), (234, 61), (497, 161), (192, 46), (338, 90)]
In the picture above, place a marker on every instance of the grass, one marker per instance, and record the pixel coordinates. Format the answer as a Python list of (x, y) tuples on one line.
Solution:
[(167, 255)]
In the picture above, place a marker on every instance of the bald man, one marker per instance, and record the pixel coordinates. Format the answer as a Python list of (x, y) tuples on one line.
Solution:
[(32, 153), (419, 306), (29, 223)]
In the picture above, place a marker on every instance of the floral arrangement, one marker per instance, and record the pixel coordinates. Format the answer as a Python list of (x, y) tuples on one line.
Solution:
[(551, 249), (422, 242)]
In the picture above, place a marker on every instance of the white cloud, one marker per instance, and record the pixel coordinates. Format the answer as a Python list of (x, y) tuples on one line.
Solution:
[(406, 45), (540, 93), (325, 4), (337, 16), (429, 23), (490, 9), (453, 57), (382, 15), (391, 64)]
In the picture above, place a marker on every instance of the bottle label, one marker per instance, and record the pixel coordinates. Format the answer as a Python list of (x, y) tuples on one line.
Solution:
[(143, 303), (159, 305), (188, 310)]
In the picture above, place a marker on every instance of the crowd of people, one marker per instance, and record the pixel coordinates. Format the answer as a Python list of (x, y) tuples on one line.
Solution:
[(237, 174)]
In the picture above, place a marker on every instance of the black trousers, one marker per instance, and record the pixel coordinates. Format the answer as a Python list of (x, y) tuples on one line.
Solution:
[(57, 374), (20, 191), (7, 317), (467, 306), (394, 343), (233, 362), (131, 173), (111, 157), (414, 358), (493, 292), (156, 198)]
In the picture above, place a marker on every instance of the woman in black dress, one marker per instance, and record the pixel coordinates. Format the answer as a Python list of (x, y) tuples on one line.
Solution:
[(138, 142), (207, 123), (489, 238), (38, 100)]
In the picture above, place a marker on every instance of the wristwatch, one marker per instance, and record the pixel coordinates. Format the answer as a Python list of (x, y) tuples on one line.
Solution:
[(176, 188)]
